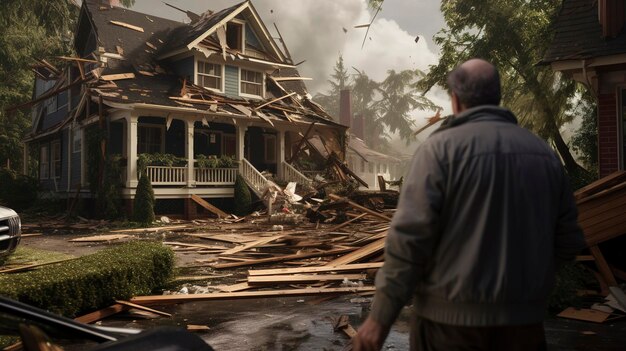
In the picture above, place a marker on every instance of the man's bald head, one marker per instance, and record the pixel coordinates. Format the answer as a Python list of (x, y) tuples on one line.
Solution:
[(475, 82)]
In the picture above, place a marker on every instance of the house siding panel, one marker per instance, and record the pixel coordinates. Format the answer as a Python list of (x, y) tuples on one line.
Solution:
[(231, 86), (607, 134), (54, 118)]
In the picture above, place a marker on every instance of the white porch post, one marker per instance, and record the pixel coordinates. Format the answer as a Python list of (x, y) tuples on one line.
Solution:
[(240, 135), (131, 150), (190, 158), (280, 149)]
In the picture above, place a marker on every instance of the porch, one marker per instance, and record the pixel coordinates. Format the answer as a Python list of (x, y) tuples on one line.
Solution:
[(197, 157)]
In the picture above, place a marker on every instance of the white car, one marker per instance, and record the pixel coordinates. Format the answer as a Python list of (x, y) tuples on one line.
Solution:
[(10, 231)]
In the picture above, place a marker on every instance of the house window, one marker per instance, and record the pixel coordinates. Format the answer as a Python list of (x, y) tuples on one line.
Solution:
[(56, 160), (251, 82), (77, 141), (234, 36), (44, 164), (149, 139), (210, 75), (270, 148), (51, 104)]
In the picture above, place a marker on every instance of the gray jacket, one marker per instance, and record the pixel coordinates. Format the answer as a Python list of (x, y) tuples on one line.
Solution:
[(485, 216)]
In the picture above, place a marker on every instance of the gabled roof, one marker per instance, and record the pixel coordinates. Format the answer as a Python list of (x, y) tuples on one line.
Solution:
[(192, 34), (138, 47), (578, 34)]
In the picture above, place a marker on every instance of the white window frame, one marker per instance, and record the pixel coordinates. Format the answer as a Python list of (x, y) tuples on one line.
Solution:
[(243, 33), (53, 161), (252, 96), (44, 152), (197, 72), (153, 126), (77, 136)]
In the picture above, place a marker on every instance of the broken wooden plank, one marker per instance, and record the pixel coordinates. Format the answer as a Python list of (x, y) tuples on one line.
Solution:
[(303, 278), (199, 246), (288, 79), (363, 252), (126, 25), (143, 308), (603, 266), (197, 328), (101, 314), (148, 300), (334, 229), (199, 277), (360, 208), (153, 229), (275, 100), (119, 76), (78, 59), (584, 314), (99, 238), (251, 245), (316, 269), (293, 257), (234, 287), (197, 199)]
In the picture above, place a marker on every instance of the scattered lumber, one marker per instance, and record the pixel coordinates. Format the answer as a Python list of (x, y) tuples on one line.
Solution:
[(112, 77), (343, 324), (368, 250), (251, 245), (197, 328), (160, 299), (101, 314), (360, 208), (316, 269), (99, 238), (143, 308), (126, 25), (587, 315), (197, 199), (293, 257), (199, 246), (302, 278), (153, 229)]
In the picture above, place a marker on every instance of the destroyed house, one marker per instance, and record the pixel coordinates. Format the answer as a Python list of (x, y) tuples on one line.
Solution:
[(191, 105)]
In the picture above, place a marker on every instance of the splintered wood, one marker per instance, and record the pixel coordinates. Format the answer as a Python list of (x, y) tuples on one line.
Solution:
[(308, 259)]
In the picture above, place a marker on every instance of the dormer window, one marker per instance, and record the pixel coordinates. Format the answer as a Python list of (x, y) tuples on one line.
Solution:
[(210, 75), (251, 83), (234, 36)]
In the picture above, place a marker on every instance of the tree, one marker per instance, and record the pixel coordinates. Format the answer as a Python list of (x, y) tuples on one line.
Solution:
[(243, 198), (512, 35), (340, 81), (143, 204), (364, 92), (585, 139)]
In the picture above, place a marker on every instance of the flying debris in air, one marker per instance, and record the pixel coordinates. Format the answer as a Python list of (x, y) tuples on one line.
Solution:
[(417, 38), (271, 11), (344, 29)]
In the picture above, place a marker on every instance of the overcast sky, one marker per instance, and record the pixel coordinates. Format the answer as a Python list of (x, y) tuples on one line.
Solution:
[(314, 31)]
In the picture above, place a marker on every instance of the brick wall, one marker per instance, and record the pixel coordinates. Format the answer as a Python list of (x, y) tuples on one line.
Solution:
[(608, 142)]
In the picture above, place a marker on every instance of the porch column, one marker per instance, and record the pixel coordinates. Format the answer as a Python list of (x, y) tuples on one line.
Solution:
[(240, 135), (131, 150), (191, 181), (26, 160), (280, 149)]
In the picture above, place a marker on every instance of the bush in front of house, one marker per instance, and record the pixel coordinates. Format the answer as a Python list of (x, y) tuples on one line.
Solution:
[(143, 205), (17, 191), (95, 281), (243, 198)]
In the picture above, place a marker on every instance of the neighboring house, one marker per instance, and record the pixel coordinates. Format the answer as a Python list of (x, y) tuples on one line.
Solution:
[(589, 45), (219, 86)]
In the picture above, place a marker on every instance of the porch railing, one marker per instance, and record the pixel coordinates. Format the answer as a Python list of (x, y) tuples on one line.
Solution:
[(215, 176), (253, 177), (163, 175), (291, 174)]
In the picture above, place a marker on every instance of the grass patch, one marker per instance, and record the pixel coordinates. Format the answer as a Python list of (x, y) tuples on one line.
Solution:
[(26, 255), (94, 281)]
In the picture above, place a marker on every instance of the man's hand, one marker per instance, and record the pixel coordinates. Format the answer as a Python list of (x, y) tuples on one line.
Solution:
[(370, 337)]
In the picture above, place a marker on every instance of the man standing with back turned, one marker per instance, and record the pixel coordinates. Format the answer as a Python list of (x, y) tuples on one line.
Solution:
[(485, 217)]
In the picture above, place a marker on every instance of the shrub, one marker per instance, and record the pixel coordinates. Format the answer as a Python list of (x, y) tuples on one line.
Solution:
[(143, 205), (94, 281), (243, 198), (205, 161), (158, 159), (17, 191)]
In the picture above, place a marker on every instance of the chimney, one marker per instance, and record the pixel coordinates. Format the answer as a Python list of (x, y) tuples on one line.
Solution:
[(359, 128), (345, 108)]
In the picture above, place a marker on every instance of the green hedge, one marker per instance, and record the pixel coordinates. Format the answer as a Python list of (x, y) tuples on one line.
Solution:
[(94, 281)]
